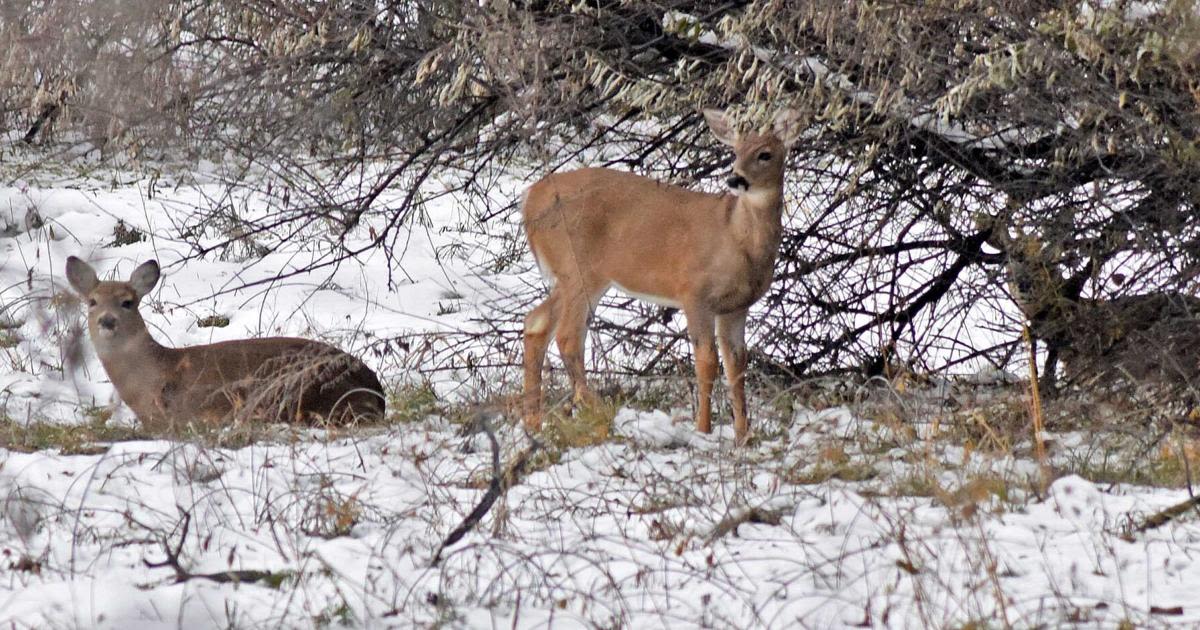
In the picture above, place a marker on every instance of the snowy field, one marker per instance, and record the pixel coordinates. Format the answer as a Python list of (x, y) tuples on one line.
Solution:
[(829, 520)]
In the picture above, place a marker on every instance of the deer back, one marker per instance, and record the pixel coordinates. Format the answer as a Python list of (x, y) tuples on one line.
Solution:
[(274, 379)]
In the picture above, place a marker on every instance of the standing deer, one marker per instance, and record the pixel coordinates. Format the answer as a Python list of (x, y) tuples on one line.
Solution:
[(270, 379), (711, 255), (1148, 338)]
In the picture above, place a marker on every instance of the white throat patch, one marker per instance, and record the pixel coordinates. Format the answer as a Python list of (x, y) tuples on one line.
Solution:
[(757, 196)]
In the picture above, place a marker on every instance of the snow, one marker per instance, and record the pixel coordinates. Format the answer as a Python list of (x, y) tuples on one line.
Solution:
[(618, 533), (656, 527), (1133, 11)]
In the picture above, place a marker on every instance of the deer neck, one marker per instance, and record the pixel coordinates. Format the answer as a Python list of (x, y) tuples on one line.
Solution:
[(757, 220), (132, 359)]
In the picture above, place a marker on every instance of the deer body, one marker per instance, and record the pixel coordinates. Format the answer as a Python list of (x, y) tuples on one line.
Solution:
[(712, 256), (722, 247), (1148, 338), (276, 379)]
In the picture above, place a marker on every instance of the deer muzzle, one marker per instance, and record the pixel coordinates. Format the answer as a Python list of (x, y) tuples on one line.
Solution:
[(107, 322), (737, 183)]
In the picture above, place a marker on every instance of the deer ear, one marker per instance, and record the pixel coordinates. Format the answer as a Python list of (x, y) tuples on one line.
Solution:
[(787, 127), (719, 125), (145, 277), (81, 276)]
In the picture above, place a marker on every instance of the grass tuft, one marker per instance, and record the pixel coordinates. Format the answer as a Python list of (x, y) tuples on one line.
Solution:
[(213, 321), (88, 438), (412, 403), (331, 514), (832, 462), (125, 234), (591, 424)]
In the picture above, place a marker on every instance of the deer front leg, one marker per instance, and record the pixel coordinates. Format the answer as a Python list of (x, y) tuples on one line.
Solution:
[(731, 333), (704, 346)]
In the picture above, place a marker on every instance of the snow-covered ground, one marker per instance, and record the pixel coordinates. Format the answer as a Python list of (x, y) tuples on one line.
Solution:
[(625, 534), (655, 527)]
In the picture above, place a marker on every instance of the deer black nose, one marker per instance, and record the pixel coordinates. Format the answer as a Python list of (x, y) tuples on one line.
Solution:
[(737, 182), (108, 322)]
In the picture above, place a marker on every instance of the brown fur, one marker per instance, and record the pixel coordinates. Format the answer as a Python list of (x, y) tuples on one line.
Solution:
[(711, 255), (1149, 339), (277, 379)]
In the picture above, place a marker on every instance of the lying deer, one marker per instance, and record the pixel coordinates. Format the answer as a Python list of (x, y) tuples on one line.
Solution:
[(711, 255), (1149, 338), (270, 379)]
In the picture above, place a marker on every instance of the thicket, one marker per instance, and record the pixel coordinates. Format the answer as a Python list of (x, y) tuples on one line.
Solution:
[(930, 127)]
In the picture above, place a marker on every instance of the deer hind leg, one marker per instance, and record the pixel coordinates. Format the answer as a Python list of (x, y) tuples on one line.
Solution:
[(1049, 377), (731, 334), (704, 346), (572, 340), (540, 323)]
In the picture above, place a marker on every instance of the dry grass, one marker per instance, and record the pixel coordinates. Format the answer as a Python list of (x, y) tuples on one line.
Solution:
[(590, 424), (413, 403), (87, 438), (968, 448), (213, 321), (331, 513), (831, 461)]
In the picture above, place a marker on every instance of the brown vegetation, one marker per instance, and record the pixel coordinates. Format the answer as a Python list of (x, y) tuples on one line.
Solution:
[(1075, 120)]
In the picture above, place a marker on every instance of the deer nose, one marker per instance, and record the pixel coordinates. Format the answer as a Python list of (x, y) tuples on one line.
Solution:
[(107, 322), (737, 182)]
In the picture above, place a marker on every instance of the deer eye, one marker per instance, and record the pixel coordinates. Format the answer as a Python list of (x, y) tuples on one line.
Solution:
[(126, 304), (91, 302), (765, 156)]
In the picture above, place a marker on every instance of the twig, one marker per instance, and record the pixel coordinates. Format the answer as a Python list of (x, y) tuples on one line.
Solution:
[(496, 487), (1158, 519), (221, 577), (1036, 408), (729, 524)]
